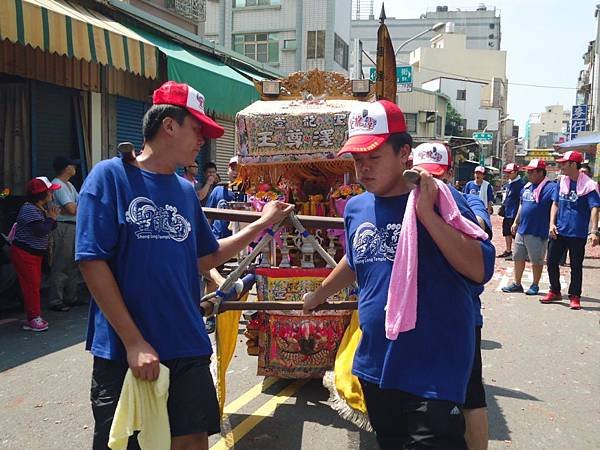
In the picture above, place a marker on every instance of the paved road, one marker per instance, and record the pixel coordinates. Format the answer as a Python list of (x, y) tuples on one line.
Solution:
[(541, 368)]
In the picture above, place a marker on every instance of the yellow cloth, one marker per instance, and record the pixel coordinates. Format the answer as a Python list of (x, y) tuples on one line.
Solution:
[(227, 327), (346, 384), (142, 407)]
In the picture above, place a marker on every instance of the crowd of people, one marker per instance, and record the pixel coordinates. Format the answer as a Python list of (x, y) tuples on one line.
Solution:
[(143, 244)]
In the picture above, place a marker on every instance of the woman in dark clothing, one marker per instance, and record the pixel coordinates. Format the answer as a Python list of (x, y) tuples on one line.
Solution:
[(30, 244)]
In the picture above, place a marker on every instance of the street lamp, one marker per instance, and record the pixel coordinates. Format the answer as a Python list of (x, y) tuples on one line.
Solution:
[(436, 27)]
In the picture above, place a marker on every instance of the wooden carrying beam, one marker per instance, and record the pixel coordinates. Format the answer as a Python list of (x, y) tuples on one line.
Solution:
[(283, 306), (251, 216)]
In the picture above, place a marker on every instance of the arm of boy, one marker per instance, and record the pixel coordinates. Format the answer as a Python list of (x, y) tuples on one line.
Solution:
[(339, 278)]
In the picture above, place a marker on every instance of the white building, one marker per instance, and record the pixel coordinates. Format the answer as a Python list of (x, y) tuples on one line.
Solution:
[(480, 26), (290, 35), (547, 128), (467, 99)]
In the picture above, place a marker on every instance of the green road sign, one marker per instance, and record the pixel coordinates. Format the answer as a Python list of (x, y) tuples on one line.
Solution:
[(483, 137), (403, 74)]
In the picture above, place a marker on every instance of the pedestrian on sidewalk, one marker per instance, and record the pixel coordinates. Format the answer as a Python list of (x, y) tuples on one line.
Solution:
[(141, 240), (34, 223), (436, 158), (573, 221), (481, 187), (510, 205), (531, 226), (64, 275), (210, 180), (414, 385)]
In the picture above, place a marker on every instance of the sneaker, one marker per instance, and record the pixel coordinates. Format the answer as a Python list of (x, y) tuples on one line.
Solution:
[(504, 255), (574, 302), (551, 297), (513, 287), (35, 324), (534, 289)]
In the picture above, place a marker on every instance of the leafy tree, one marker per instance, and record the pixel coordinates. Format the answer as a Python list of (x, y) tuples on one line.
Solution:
[(454, 122)]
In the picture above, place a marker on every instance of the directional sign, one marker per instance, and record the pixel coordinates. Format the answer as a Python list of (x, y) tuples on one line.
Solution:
[(403, 74), (483, 137)]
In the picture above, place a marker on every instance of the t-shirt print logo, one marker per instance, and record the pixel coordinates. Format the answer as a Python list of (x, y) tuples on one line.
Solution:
[(570, 197), (154, 222), (373, 244), (528, 195)]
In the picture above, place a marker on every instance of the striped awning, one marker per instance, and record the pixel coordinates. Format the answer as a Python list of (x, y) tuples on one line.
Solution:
[(57, 26)]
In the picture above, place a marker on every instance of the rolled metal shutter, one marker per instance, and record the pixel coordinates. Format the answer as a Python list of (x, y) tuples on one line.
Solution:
[(130, 114), (225, 147)]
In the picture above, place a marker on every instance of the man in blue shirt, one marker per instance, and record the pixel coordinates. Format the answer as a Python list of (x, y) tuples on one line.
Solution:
[(481, 187), (141, 238), (436, 158), (512, 193), (413, 386), (531, 226), (574, 213)]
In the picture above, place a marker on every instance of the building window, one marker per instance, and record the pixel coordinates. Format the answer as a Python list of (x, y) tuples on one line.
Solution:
[(245, 3), (481, 124), (461, 94), (340, 52), (438, 126), (411, 122), (263, 47), (315, 44), (492, 26)]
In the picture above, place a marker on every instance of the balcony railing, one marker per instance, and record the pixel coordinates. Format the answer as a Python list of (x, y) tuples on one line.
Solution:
[(194, 10)]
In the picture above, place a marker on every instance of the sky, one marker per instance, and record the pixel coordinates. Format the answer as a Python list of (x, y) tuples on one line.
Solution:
[(544, 40)]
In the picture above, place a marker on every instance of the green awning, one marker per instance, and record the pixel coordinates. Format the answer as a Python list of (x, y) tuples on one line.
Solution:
[(225, 90)]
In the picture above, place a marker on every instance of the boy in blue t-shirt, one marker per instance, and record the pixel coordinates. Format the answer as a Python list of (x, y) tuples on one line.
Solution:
[(141, 236), (573, 219), (512, 192), (413, 386)]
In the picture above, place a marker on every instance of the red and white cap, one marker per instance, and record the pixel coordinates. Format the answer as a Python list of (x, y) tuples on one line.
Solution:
[(370, 124), (480, 169), (41, 184), (510, 168), (571, 156), (233, 160), (180, 94), (434, 157), (536, 164)]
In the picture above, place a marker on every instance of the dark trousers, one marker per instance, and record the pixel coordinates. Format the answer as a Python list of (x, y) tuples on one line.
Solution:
[(556, 248)]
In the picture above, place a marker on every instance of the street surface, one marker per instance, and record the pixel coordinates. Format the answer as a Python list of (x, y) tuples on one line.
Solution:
[(541, 369)]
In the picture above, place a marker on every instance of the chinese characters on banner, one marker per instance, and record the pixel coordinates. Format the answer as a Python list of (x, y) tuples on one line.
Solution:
[(578, 120), (298, 133)]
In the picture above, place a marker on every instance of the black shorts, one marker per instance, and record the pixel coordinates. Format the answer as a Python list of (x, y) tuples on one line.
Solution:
[(402, 420), (475, 390), (506, 224), (192, 404)]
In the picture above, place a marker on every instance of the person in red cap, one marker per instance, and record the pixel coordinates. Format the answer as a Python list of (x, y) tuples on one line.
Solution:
[(413, 386), (479, 186), (530, 227), (30, 244), (141, 240), (510, 205), (573, 221)]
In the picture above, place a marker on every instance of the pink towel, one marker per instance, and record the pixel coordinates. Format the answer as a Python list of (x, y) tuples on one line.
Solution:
[(538, 190), (401, 308), (585, 185)]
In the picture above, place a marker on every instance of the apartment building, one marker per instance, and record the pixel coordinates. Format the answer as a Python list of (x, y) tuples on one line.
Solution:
[(289, 35)]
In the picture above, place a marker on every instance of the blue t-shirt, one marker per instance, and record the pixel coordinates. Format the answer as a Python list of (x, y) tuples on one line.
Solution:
[(535, 217), (66, 194), (218, 199), (151, 230), (473, 188), (433, 360), (513, 193), (574, 212)]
